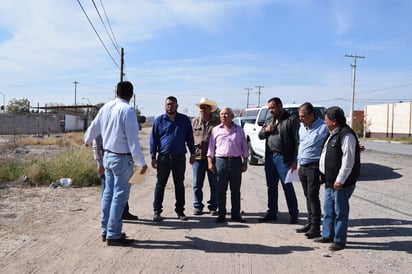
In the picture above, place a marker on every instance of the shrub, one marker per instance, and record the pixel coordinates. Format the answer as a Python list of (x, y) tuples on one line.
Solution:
[(10, 169), (77, 164)]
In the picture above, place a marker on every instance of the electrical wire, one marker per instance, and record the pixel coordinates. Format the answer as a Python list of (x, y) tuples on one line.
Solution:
[(90, 22), (104, 25), (110, 26)]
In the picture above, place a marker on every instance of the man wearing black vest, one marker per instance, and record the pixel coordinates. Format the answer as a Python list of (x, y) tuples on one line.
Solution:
[(340, 165)]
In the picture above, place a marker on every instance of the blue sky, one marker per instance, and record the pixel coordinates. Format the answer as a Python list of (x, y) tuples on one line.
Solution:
[(215, 49)]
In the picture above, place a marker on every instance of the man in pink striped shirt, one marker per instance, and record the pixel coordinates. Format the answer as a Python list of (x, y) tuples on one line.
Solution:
[(228, 146)]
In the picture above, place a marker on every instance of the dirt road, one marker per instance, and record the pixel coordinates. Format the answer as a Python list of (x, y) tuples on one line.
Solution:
[(44, 230)]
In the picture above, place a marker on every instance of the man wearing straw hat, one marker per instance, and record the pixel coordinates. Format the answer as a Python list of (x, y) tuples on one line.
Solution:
[(202, 127)]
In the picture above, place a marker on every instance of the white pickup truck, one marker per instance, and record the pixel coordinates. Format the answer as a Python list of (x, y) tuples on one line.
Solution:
[(257, 146)]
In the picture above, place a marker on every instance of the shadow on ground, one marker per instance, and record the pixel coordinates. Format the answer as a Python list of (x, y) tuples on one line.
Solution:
[(374, 172), (380, 229)]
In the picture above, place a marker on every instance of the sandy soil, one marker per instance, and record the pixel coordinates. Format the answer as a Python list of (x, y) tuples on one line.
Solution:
[(46, 230)]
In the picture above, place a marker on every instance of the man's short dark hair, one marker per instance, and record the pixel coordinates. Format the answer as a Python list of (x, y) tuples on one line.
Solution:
[(124, 90), (276, 100), (308, 108), (172, 98), (336, 113)]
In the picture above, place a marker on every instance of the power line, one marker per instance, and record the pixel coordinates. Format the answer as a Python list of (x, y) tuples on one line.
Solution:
[(91, 24), (110, 26), (385, 88), (104, 25)]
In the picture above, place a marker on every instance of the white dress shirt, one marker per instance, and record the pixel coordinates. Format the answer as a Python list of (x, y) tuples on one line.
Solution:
[(117, 123)]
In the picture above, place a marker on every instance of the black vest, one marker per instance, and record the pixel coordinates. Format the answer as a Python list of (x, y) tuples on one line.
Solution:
[(333, 158)]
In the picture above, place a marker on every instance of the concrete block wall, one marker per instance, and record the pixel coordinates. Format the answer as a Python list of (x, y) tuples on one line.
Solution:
[(39, 124)]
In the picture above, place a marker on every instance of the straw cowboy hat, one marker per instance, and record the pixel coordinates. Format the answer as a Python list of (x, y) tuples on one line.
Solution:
[(205, 101)]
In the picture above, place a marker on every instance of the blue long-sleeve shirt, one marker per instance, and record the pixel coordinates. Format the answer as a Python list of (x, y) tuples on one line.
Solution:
[(171, 137), (311, 141)]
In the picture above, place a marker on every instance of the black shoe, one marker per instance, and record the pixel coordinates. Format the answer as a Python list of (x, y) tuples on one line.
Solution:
[(314, 232), (303, 229), (221, 219), (104, 236), (120, 242), (157, 217), (130, 217), (312, 235), (238, 219), (213, 212), (293, 220), (335, 246), (197, 211), (182, 216), (268, 218), (323, 240)]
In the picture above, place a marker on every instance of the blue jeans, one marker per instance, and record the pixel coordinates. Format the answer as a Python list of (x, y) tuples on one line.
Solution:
[(118, 170), (336, 213), (165, 165), (275, 170), (102, 179), (229, 171), (199, 173)]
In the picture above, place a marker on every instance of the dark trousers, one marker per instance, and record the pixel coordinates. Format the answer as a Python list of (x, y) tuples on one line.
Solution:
[(166, 164), (309, 177), (229, 172)]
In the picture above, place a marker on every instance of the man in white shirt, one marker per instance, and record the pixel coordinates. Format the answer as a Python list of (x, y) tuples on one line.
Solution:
[(117, 123)]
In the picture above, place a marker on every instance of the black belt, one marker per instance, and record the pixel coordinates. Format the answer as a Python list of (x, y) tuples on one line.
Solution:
[(119, 154), (170, 156), (276, 153), (315, 163), (229, 157)]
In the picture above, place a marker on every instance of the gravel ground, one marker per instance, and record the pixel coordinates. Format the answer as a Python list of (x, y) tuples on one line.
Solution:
[(45, 230)]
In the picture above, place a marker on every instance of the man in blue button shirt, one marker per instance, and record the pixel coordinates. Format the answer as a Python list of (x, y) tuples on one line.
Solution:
[(171, 134), (312, 134)]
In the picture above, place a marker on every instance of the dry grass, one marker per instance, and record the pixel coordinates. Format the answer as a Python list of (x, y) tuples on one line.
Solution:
[(72, 139), (44, 160)]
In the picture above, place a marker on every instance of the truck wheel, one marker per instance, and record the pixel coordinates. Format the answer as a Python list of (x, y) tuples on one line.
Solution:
[(253, 160)]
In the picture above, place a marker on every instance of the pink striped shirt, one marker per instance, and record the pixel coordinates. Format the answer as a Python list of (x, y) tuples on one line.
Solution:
[(228, 143)]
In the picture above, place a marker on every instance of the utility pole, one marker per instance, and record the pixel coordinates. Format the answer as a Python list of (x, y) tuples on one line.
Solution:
[(121, 64), (75, 92), (259, 87), (353, 85), (4, 101), (248, 92)]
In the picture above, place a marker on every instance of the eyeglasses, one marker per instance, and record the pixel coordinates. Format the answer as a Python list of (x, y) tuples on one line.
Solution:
[(204, 107)]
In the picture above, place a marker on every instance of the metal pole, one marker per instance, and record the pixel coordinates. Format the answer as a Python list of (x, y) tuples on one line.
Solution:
[(248, 91), (259, 87), (353, 86), (4, 101), (75, 92), (121, 64)]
